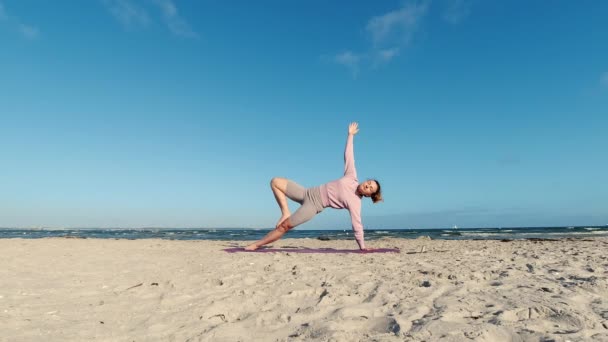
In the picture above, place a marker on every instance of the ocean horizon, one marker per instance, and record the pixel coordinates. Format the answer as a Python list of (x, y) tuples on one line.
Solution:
[(242, 234)]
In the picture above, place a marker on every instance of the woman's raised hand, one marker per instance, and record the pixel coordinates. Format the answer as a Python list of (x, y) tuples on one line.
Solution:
[(353, 128)]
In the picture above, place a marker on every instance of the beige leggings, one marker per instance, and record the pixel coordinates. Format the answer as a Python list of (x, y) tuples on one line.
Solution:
[(310, 200)]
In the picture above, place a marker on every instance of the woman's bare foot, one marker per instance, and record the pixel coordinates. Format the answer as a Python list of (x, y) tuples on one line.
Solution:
[(283, 218), (251, 247)]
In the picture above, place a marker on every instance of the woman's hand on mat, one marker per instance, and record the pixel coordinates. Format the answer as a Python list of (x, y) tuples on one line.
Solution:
[(353, 128)]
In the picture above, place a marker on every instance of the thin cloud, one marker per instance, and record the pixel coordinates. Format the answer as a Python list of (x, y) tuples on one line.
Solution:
[(127, 13), (131, 14), (349, 60), (3, 15), (386, 55), (604, 79), (391, 33), (399, 25), (509, 159), (457, 10), (28, 31), (174, 21)]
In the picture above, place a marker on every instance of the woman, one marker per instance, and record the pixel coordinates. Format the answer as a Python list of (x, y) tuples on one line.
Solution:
[(343, 193)]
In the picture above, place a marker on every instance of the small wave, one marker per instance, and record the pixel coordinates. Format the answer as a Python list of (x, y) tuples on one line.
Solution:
[(565, 234), (480, 234), (579, 233), (451, 234)]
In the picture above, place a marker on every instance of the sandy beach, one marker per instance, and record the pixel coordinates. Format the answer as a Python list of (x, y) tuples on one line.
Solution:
[(61, 289)]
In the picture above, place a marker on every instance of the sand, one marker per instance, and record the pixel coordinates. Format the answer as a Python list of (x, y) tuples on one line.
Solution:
[(63, 289)]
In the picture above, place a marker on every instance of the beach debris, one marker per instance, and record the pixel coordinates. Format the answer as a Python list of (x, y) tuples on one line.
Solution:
[(592, 280), (101, 322), (220, 316), (323, 238), (425, 283), (323, 294), (536, 240), (530, 268), (422, 249), (134, 286), (154, 284)]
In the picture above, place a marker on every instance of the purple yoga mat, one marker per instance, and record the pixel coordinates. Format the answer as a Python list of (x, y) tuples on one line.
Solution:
[(312, 250)]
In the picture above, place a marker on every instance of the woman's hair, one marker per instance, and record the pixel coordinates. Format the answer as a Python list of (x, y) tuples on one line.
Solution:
[(377, 196)]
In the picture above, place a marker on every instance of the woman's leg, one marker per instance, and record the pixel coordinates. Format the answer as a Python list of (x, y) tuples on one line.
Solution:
[(303, 214), (283, 188), (272, 236)]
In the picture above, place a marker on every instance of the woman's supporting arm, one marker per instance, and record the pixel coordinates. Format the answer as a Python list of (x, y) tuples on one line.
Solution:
[(355, 217)]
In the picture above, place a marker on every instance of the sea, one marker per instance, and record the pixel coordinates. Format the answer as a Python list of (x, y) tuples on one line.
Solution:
[(240, 234)]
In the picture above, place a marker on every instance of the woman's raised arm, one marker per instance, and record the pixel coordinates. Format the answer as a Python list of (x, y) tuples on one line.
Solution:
[(349, 154)]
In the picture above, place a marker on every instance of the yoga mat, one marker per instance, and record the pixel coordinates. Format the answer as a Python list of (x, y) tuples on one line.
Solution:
[(312, 250)]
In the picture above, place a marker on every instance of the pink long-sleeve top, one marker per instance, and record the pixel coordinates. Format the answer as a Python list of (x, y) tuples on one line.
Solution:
[(342, 193)]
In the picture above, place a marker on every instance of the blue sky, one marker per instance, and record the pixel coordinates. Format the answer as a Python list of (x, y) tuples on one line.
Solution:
[(168, 113)]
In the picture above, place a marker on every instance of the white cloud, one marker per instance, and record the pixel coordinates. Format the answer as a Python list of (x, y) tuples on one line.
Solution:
[(28, 31), (390, 33), (604, 79), (130, 14), (399, 25), (174, 21), (127, 13), (386, 55), (457, 10), (350, 60), (3, 15)]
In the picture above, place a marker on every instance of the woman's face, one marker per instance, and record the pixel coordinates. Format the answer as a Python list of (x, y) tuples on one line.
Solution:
[(367, 188)]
